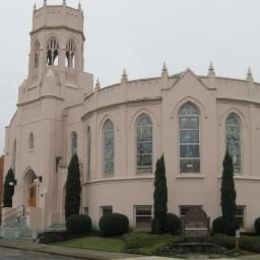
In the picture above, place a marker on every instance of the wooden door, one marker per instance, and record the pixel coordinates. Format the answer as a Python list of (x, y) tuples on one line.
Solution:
[(32, 196)]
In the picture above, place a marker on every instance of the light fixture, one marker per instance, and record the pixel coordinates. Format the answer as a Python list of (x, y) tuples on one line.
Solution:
[(38, 179), (13, 183)]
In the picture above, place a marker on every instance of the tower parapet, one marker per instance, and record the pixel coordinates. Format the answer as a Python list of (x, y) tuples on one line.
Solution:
[(57, 16)]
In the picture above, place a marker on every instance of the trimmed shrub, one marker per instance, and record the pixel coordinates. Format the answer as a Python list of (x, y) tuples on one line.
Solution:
[(113, 224), (218, 225), (78, 224), (257, 226), (172, 224)]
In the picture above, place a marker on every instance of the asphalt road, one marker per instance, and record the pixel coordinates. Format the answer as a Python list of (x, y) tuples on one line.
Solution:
[(13, 254)]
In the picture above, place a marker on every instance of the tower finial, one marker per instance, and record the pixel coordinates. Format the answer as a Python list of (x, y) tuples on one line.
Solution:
[(124, 75), (64, 2), (34, 7), (164, 70), (211, 71), (97, 84), (249, 76), (44, 2), (79, 6)]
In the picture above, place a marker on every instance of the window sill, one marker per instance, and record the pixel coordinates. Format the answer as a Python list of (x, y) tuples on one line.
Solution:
[(190, 176)]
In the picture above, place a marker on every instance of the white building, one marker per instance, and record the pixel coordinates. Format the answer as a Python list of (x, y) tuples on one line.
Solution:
[(120, 131)]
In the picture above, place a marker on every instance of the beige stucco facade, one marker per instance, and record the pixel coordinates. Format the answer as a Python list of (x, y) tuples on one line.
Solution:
[(56, 100)]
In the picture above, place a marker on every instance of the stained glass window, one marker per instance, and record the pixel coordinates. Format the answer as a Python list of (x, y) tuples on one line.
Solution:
[(108, 147), (31, 141), (144, 144), (88, 152), (233, 140), (74, 143), (189, 127)]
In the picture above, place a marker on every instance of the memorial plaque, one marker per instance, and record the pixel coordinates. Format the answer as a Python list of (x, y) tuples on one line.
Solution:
[(195, 224)]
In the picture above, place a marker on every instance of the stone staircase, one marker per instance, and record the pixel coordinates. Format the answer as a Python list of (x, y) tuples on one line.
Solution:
[(14, 227)]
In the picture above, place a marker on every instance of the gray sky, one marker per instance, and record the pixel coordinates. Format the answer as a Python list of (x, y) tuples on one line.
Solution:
[(140, 35)]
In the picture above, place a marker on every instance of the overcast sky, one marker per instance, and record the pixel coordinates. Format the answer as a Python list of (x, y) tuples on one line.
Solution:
[(139, 35)]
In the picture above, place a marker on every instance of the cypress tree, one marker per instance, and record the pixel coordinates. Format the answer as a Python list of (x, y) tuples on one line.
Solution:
[(9, 189), (160, 197), (73, 188), (228, 195)]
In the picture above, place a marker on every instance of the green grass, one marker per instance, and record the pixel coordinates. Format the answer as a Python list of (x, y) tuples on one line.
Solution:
[(134, 242), (148, 244), (96, 243)]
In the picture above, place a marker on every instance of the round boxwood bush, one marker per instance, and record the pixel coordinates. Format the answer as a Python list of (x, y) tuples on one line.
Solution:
[(114, 224), (257, 226), (172, 224), (78, 224), (218, 225)]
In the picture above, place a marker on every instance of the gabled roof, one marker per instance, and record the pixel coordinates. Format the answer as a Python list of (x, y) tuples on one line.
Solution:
[(185, 74)]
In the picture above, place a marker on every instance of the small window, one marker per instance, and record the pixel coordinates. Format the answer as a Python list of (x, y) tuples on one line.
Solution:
[(85, 211), (31, 141), (106, 210), (240, 216), (143, 217), (74, 143)]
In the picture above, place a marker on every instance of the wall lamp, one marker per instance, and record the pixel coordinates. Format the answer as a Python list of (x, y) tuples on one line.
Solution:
[(38, 179), (13, 183)]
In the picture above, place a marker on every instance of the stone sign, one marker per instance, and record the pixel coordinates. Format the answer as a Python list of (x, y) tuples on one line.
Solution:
[(195, 224)]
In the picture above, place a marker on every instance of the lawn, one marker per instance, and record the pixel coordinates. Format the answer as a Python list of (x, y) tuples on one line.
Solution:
[(134, 242), (149, 244)]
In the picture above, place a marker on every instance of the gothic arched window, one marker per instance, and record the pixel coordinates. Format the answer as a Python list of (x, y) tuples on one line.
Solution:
[(144, 143), (52, 51), (88, 152), (31, 141), (233, 140), (108, 147), (74, 143), (36, 54), (70, 54), (189, 133)]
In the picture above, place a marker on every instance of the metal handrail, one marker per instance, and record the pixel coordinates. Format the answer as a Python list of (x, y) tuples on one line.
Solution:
[(15, 210)]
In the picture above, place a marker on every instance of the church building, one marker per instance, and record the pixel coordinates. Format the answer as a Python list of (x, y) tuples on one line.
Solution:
[(120, 131)]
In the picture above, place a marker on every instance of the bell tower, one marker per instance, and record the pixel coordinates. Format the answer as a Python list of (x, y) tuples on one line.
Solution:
[(57, 50)]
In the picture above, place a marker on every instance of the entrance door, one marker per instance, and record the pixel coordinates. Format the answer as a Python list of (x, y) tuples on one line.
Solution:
[(32, 196)]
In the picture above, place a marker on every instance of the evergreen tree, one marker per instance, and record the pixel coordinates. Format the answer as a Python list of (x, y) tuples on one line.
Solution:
[(73, 188), (160, 197), (9, 189), (228, 195)]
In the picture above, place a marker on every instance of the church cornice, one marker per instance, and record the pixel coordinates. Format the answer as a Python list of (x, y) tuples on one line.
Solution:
[(39, 99), (58, 28)]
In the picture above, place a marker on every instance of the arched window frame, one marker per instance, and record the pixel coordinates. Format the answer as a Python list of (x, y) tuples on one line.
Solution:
[(88, 165), (144, 144), (14, 155), (233, 139), (31, 141), (189, 138), (74, 143), (108, 133), (37, 54), (52, 51), (70, 54)]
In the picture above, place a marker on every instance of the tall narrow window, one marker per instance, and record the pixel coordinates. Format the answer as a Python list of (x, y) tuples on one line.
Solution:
[(36, 54), (88, 152), (70, 54), (14, 156), (31, 141), (74, 143), (144, 144), (189, 134), (52, 51), (108, 147), (233, 140)]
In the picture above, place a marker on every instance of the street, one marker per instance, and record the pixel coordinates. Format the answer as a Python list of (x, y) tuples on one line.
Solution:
[(13, 254)]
